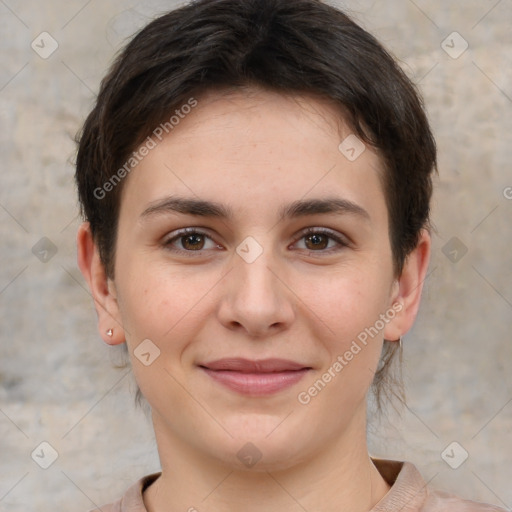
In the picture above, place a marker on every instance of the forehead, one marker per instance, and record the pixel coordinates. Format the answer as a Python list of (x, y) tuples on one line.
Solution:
[(254, 144), (248, 105)]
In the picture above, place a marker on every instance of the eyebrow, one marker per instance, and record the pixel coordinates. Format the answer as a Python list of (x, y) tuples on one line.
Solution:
[(300, 208)]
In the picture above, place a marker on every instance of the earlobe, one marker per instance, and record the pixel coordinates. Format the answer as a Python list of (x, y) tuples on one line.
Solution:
[(105, 301), (408, 289)]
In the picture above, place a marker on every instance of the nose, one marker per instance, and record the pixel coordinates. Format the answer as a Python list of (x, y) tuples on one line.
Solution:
[(255, 297)]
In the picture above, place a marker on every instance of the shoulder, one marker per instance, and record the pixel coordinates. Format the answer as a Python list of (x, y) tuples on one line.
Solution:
[(111, 507), (132, 500), (410, 493), (441, 501)]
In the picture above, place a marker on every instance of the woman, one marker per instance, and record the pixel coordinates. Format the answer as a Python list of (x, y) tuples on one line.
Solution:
[(255, 178)]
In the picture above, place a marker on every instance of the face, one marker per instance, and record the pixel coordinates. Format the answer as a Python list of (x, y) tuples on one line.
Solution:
[(291, 260)]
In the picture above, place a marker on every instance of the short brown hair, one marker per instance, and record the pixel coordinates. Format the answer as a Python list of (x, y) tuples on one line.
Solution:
[(304, 46)]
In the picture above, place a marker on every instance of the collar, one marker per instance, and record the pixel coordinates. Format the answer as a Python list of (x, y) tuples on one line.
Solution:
[(408, 489)]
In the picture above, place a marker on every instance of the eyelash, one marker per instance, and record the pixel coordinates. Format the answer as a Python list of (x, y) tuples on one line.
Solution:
[(183, 233)]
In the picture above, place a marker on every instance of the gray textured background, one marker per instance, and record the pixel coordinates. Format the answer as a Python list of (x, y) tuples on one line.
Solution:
[(57, 383)]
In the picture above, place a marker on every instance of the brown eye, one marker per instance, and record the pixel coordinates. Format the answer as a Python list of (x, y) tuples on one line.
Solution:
[(317, 241), (322, 241), (192, 242), (189, 241)]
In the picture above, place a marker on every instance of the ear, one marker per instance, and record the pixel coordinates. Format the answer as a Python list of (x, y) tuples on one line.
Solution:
[(407, 290), (102, 288)]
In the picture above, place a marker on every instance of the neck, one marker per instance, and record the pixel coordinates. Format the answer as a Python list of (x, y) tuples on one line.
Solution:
[(340, 476)]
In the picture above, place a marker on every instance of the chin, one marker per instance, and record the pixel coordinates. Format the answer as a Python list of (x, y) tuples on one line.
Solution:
[(263, 449)]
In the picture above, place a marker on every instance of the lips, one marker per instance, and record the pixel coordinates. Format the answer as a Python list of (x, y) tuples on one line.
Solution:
[(249, 366), (255, 378)]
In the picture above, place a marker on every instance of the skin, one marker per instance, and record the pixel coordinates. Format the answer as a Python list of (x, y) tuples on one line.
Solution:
[(255, 151)]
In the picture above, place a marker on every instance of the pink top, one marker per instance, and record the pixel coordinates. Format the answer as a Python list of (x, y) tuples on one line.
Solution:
[(408, 493)]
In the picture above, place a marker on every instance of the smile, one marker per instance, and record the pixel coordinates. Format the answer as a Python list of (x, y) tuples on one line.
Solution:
[(255, 378)]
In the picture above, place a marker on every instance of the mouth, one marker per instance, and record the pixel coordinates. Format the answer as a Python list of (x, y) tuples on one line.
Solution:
[(256, 378)]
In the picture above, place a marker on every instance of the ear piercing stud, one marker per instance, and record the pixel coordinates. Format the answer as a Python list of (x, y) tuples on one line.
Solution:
[(110, 332)]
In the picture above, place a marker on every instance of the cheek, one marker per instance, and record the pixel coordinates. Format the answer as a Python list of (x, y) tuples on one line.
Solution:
[(169, 308), (349, 308), (160, 301), (345, 302)]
